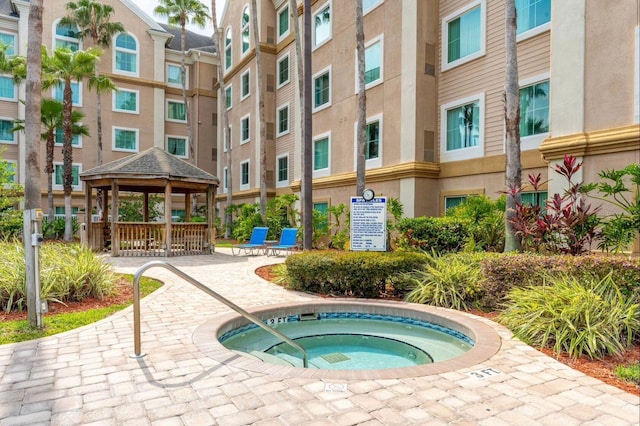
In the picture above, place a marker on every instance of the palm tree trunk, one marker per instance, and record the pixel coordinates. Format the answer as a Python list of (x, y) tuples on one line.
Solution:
[(67, 158), (48, 169), (362, 103), (512, 126), (263, 136), (183, 80)]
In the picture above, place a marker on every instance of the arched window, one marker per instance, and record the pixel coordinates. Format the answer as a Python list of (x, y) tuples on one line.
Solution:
[(245, 29), (126, 55), (228, 57), (67, 36)]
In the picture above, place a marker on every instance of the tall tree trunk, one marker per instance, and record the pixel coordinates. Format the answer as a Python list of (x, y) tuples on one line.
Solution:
[(362, 103), (32, 196), (183, 80), (48, 169), (67, 159), (512, 125), (99, 125), (263, 135), (307, 159), (218, 43)]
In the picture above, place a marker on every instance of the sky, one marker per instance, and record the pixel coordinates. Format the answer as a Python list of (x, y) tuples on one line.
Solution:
[(149, 5)]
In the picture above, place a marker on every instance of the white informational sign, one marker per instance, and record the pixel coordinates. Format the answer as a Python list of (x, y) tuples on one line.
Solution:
[(369, 224)]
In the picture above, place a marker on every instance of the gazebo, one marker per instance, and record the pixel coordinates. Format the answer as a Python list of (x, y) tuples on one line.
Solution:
[(153, 171)]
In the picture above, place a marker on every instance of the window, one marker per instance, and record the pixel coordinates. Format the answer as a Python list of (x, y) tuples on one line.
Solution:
[(67, 36), (322, 90), (244, 175), (322, 26), (225, 179), (177, 145), (450, 202), (532, 14), (6, 135), (76, 93), (462, 129), (322, 209), (176, 111), (9, 43), (125, 139), (174, 76), (228, 93), (9, 170), (245, 29), (245, 129), (59, 176), (245, 84), (283, 22), (373, 140), (283, 170), (373, 63), (227, 135), (283, 70), (535, 198), (7, 89), (283, 120), (126, 54), (534, 109), (59, 211), (463, 35), (58, 138), (368, 5), (228, 55), (321, 156), (125, 101)]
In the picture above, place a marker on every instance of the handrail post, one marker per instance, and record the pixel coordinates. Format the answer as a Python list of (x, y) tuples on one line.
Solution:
[(136, 309)]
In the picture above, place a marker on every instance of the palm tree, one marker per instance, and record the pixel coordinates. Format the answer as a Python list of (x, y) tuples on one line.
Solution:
[(63, 67), (179, 13), (512, 126), (263, 135), (362, 103), (92, 18)]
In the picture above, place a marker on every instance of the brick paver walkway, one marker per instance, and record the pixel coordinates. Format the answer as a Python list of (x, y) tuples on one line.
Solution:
[(86, 377)]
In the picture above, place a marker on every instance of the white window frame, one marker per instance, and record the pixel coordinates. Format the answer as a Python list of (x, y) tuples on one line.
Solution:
[(225, 146), (113, 138), (229, 47), (14, 47), (15, 136), (225, 180), (248, 139), (244, 53), (186, 145), (245, 186), (174, 120), (283, 183), (248, 74), (55, 36), (534, 141), (116, 49), (326, 171), (377, 39), (463, 153), (313, 89), (280, 59), (374, 162), (77, 187), (55, 88), (372, 7), (314, 44), (280, 108), (229, 96), (278, 13), (534, 31), (126, 111), (78, 145), (186, 76), (445, 65), (15, 177), (13, 98)]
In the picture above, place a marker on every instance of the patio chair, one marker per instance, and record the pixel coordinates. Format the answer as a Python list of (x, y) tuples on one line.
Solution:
[(256, 242), (287, 242)]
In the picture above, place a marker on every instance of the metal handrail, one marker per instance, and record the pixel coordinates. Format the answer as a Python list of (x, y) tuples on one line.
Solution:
[(136, 309)]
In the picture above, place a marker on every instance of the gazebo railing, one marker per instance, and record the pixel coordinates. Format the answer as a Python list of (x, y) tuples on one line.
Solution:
[(188, 238), (140, 239)]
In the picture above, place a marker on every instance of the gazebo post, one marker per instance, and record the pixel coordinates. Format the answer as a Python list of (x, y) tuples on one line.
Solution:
[(145, 206), (167, 216), (88, 240), (187, 206), (211, 229), (115, 241)]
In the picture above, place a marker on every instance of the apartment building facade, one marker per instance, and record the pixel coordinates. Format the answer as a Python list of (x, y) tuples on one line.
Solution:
[(435, 75), (146, 110)]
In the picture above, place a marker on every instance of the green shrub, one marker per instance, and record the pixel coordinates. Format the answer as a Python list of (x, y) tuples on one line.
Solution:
[(485, 218), (361, 274), (630, 373), (576, 316), (438, 234), (248, 219), (55, 229)]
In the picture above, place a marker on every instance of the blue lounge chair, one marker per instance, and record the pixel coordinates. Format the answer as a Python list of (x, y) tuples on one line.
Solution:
[(287, 242), (257, 242)]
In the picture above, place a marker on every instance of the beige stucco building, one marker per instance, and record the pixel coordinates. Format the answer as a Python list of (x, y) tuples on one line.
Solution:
[(147, 109), (435, 73)]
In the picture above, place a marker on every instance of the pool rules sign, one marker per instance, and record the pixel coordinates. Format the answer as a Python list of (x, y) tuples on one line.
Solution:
[(369, 224)]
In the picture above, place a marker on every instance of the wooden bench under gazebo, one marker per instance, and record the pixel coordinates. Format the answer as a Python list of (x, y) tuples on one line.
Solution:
[(153, 171)]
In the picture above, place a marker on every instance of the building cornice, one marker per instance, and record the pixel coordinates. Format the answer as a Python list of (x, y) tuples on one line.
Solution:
[(607, 141)]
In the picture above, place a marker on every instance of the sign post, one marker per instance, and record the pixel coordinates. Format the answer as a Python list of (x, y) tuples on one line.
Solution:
[(368, 224)]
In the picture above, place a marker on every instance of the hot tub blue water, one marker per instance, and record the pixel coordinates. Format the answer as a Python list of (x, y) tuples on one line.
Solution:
[(350, 341)]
